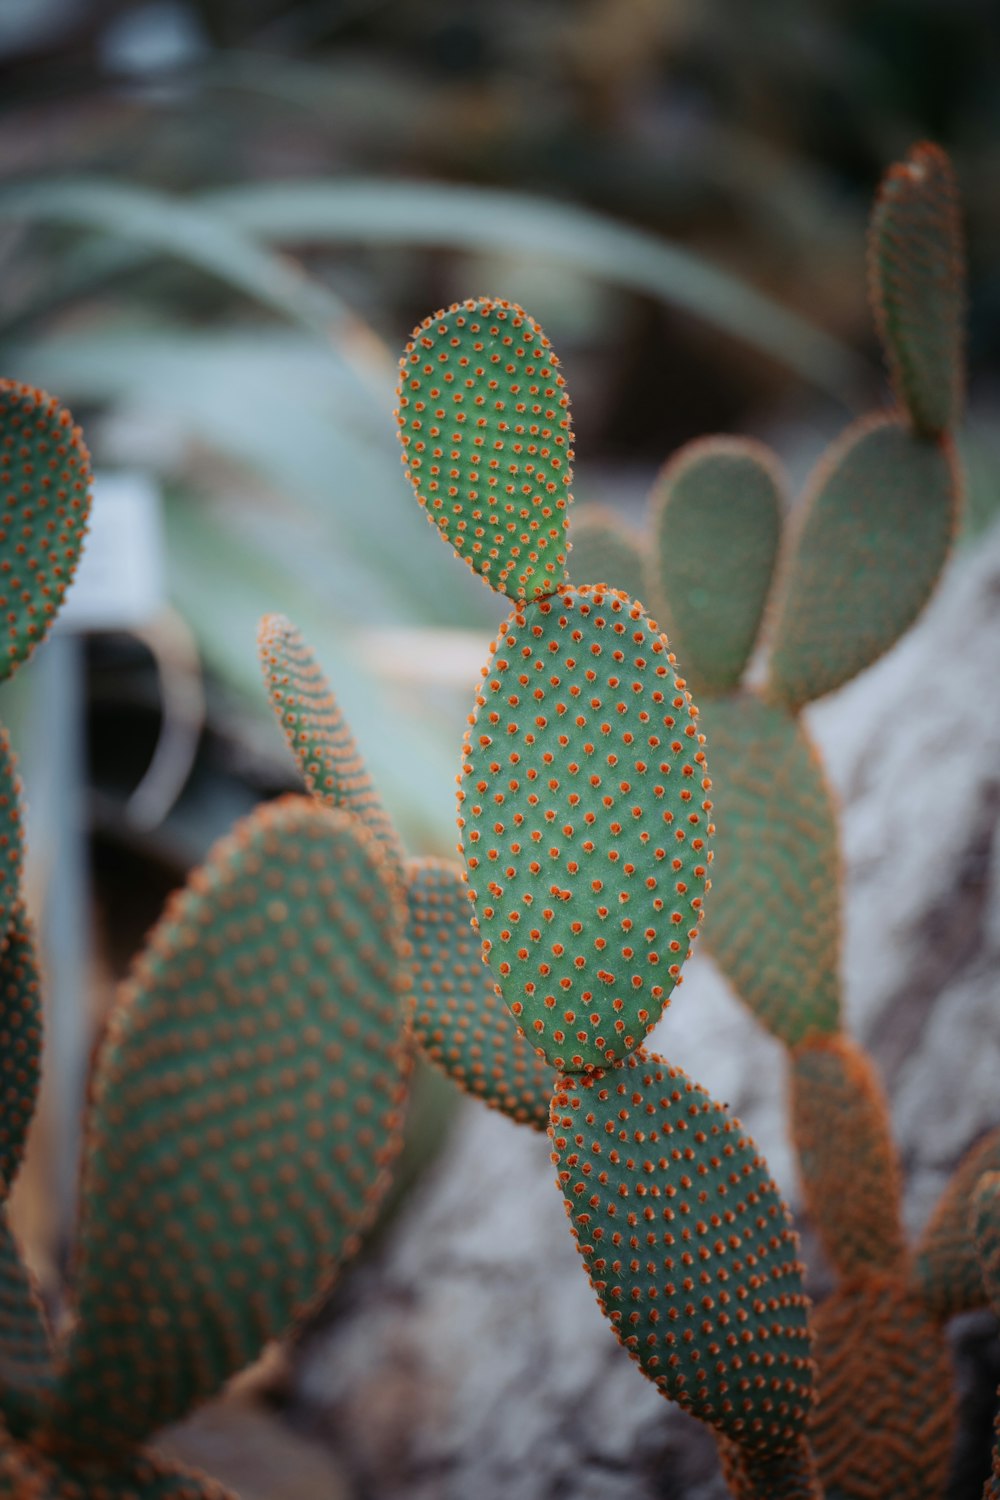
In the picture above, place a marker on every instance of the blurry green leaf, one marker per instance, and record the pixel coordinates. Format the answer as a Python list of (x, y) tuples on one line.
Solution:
[(192, 233), (371, 211)]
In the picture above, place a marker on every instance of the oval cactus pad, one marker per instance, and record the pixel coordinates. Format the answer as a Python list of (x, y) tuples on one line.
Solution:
[(917, 277), (459, 1019), (245, 1108), (25, 1355), (44, 504), (585, 820), (717, 511), (487, 442), (689, 1247)]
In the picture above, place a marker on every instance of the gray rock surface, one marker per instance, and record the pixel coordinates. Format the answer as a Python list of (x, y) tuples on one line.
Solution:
[(468, 1357)]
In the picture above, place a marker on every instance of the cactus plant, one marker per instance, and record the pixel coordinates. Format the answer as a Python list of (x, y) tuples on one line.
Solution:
[(245, 1105), (585, 824), (859, 559)]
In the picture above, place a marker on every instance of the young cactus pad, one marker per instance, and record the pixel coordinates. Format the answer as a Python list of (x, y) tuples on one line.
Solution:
[(245, 1109), (717, 511), (847, 1159), (458, 1018), (487, 442), (916, 273), (688, 1246), (774, 927), (885, 1417), (44, 504), (584, 819), (946, 1269), (20, 1043), (318, 735), (871, 540)]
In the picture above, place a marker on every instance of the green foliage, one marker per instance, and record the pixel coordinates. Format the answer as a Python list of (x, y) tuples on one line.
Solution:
[(602, 551), (245, 1110), (716, 519), (20, 1042), (318, 735), (733, 1347), (459, 1020), (584, 820), (871, 539), (487, 442), (774, 922), (916, 274), (45, 485), (946, 1268), (847, 1160)]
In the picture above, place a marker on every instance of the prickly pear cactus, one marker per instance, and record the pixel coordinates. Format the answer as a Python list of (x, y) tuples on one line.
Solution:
[(585, 821), (487, 442), (947, 1272), (688, 1246), (44, 503), (915, 262), (318, 735), (459, 1020), (246, 1107), (25, 1346), (20, 1042), (716, 511), (11, 836)]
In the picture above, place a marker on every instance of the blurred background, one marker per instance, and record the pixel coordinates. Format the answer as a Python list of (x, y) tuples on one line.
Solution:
[(219, 221)]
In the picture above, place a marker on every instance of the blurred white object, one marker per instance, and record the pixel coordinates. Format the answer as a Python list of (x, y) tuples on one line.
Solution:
[(121, 581)]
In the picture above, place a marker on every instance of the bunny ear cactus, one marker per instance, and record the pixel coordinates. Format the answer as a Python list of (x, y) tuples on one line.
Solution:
[(20, 1042), (585, 821), (984, 1226), (44, 504), (487, 442), (245, 1110), (947, 1272), (318, 735), (25, 1347), (869, 545), (459, 1020), (716, 512), (915, 263)]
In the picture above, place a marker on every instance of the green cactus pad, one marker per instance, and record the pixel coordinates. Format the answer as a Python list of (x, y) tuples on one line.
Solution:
[(28, 1474), (602, 551), (584, 820), (847, 1160), (11, 836), (774, 921), (946, 1266), (459, 1019), (245, 1110), (487, 442), (785, 1476), (717, 511), (916, 274), (984, 1225), (688, 1246), (318, 735), (885, 1418), (870, 542), (25, 1353), (44, 504), (20, 1042)]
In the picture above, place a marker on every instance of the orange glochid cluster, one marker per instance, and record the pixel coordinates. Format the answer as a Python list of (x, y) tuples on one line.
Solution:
[(44, 503), (487, 441)]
